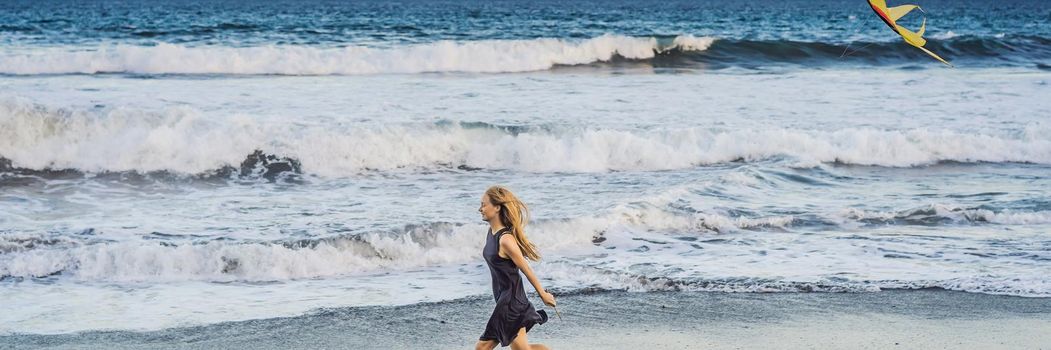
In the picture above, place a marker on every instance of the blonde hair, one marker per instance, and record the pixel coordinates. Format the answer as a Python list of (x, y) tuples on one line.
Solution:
[(514, 215)]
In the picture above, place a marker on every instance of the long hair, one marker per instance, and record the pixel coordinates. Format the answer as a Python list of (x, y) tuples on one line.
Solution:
[(514, 215)]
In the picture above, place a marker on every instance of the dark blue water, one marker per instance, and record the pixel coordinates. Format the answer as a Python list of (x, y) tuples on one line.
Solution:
[(807, 33)]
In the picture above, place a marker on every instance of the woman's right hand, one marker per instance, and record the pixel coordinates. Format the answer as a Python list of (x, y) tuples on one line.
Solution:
[(548, 298)]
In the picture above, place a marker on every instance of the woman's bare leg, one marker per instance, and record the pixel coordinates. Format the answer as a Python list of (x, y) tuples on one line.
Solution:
[(522, 343), (486, 345)]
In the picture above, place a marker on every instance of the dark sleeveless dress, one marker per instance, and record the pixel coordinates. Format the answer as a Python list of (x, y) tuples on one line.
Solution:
[(513, 311)]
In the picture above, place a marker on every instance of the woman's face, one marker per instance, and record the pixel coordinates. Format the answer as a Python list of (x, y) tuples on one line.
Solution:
[(488, 210)]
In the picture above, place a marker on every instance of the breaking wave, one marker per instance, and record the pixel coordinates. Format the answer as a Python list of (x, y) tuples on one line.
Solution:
[(182, 141)]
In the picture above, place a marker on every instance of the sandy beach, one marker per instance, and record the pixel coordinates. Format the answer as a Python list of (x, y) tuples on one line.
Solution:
[(920, 319)]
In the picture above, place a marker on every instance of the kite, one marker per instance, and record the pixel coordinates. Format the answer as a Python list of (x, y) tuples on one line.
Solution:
[(890, 15)]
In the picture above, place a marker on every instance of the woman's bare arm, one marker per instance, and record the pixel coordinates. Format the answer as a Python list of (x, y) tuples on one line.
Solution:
[(509, 246)]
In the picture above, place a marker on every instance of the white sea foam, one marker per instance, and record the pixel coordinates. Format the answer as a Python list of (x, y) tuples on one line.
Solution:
[(246, 261), (440, 245), (653, 218), (636, 247), (182, 141), (177, 139), (486, 56), (58, 308), (1025, 286), (436, 245), (1015, 218), (945, 35), (954, 213)]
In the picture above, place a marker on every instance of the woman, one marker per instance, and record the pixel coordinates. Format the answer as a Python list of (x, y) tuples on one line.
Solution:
[(506, 251)]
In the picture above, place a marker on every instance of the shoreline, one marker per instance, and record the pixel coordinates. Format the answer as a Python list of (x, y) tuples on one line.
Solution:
[(617, 319)]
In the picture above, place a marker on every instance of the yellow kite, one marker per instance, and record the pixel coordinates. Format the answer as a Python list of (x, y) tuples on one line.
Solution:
[(889, 15)]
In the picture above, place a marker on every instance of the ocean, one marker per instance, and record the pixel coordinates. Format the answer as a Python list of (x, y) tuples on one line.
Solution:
[(185, 163)]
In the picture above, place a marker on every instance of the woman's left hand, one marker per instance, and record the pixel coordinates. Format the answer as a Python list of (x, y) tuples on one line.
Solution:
[(548, 298)]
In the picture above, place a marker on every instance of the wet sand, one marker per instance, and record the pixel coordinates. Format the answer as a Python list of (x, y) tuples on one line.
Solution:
[(928, 319)]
